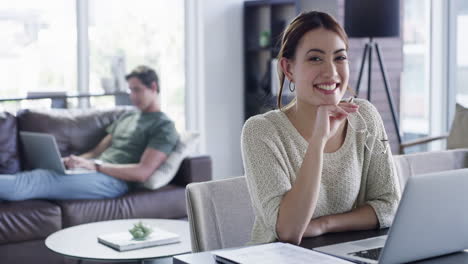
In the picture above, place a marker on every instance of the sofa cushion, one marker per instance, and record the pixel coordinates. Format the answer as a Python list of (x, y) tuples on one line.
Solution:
[(28, 220), (167, 171), (76, 131), (9, 158), (167, 202)]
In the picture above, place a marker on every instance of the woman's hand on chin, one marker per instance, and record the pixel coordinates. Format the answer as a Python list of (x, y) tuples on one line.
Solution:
[(327, 121), (330, 117)]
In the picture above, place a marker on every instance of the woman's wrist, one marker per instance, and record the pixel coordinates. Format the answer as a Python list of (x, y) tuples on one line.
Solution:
[(324, 223), (317, 144), (317, 227)]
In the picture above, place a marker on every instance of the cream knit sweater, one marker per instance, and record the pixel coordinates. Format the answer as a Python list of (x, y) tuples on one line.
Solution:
[(360, 172)]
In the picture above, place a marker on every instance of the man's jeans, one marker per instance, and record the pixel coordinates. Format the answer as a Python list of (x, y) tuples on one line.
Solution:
[(46, 184)]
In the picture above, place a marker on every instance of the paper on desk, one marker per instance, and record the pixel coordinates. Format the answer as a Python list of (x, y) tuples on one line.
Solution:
[(275, 253)]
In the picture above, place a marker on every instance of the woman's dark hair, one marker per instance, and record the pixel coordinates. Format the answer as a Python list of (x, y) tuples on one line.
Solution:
[(146, 75), (293, 33)]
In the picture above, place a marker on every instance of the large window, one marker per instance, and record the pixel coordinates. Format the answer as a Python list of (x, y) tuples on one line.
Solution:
[(415, 80), (125, 34), (435, 66), (38, 51), (37, 47), (461, 40)]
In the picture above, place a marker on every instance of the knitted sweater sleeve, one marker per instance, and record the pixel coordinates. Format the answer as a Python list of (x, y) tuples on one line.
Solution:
[(382, 186), (265, 169)]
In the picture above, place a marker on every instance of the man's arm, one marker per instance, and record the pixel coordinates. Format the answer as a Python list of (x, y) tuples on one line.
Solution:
[(103, 145), (72, 161), (138, 172)]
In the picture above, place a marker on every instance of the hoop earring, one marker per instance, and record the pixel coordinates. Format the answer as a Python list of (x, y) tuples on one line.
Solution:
[(292, 89)]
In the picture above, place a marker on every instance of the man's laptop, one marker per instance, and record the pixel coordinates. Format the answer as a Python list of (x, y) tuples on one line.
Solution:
[(41, 152), (431, 220)]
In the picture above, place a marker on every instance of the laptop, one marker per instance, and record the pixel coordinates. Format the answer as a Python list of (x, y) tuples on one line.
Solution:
[(431, 220), (41, 152)]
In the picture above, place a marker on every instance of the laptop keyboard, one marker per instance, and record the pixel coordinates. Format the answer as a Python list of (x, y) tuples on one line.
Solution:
[(368, 254)]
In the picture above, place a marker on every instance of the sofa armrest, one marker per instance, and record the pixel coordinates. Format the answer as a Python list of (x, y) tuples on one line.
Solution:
[(193, 169), (419, 141)]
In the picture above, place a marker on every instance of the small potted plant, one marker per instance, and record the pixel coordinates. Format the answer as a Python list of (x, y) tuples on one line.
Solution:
[(140, 231)]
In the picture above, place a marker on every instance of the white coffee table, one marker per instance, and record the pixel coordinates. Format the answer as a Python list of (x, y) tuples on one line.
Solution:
[(81, 241)]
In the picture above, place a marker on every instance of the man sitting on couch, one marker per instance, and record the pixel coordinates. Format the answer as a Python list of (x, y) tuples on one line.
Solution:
[(135, 146)]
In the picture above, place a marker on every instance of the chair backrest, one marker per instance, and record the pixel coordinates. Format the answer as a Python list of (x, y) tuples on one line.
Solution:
[(457, 137), (220, 214), (425, 162)]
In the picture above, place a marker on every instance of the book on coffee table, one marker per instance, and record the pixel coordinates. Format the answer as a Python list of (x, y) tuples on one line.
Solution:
[(124, 241)]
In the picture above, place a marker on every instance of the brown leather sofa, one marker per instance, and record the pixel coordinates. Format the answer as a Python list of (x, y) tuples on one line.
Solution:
[(24, 225)]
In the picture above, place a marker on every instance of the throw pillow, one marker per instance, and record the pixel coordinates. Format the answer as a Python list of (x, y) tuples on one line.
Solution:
[(167, 171), (9, 156), (458, 133)]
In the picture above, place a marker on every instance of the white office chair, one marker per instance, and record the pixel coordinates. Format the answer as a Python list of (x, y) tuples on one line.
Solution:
[(220, 214)]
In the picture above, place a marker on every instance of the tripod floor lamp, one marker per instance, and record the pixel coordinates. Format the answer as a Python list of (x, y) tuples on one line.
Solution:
[(370, 19)]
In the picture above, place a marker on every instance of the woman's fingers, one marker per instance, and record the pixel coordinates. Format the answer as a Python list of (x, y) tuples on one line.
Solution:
[(337, 111), (331, 110), (349, 107), (329, 118)]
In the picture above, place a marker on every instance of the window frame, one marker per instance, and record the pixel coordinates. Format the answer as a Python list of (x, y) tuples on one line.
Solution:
[(82, 7), (439, 72), (442, 64)]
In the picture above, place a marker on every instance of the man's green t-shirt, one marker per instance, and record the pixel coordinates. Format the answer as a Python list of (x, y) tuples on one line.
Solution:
[(134, 132)]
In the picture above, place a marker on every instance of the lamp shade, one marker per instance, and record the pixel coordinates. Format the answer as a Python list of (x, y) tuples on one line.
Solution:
[(372, 18)]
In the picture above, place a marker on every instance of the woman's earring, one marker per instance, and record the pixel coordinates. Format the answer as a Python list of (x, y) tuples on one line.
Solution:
[(292, 89)]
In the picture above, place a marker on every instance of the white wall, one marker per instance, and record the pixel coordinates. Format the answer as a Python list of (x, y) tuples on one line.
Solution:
[(215, 79), (329, 6), (219, 65)]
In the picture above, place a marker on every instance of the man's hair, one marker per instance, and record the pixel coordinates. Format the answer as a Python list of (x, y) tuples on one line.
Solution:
[(146, 75)]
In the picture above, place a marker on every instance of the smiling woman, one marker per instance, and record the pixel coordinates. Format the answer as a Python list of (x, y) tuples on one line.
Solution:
[(310, 168), (321, 61)]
